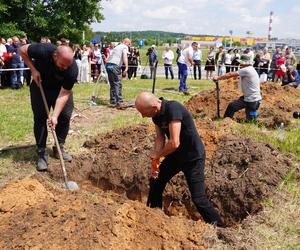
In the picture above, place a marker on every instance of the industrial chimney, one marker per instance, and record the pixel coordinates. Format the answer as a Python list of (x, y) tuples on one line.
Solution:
[(270, 25)]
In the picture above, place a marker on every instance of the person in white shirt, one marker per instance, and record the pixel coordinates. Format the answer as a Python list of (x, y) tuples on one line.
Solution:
[(168, 57), (114, 64), (228, 60), (85, 65), (185, 61), (197, 58), (250, 53), (234, 62)]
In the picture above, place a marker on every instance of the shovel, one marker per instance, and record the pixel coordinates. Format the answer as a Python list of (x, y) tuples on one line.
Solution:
[(218, 99), (155, 166), (71, 185), (154, 77)]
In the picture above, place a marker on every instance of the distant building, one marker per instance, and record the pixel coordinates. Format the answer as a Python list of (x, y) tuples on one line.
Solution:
[(212, 40), (280, 43)]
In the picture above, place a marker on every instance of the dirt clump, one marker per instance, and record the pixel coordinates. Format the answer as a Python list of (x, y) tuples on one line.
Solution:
[(241, 174), (278, 103), (21, 195), (80, 220)]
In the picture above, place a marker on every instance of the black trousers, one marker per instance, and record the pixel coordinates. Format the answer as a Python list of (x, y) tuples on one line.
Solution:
[(228, 68), (168, 67), (194, 174), (115, 80), (241, 104), (40, 115), (197, 67)]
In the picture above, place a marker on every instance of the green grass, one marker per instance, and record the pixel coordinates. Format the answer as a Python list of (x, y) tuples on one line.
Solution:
[(290, 143), (16, 123)]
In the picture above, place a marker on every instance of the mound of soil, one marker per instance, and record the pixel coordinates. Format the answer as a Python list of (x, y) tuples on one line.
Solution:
[(64, 220), (277, 106), (240, 173)]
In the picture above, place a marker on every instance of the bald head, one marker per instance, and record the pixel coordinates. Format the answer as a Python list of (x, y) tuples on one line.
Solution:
[(147, 104), (63, 57), (127, 41)]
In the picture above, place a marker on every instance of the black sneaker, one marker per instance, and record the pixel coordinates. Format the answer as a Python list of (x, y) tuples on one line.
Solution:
[(42, 163), (66, 155)]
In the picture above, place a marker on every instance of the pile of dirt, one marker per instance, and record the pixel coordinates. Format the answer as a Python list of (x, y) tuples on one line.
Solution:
[(64, 220), (240, 173), (277, 106)]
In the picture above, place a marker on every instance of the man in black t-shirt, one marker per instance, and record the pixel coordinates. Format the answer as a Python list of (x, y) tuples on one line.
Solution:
[(183, 151), (55, 69)]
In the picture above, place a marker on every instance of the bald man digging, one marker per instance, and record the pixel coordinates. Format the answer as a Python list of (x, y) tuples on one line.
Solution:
[(183, 151), (55, 69)]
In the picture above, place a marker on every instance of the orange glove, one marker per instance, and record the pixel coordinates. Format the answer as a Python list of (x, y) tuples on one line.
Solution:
[(155, 166)]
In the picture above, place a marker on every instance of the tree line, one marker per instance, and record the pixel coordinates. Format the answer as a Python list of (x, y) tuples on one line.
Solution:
[(49, 18)]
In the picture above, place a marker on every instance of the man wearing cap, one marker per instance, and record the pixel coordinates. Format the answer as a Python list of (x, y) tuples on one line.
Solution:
[(250, 86)]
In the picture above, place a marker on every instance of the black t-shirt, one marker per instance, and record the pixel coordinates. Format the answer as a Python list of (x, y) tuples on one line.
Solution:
[(191, 147), (52, 77)]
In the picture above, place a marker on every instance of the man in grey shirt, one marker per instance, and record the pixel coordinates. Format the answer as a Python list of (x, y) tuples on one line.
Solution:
[(114, 64), (250, 86)]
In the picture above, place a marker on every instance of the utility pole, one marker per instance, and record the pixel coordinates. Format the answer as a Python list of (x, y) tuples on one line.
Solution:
[(230, 32)]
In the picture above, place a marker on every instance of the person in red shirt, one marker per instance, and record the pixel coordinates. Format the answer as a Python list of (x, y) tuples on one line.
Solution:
[(280, 67)]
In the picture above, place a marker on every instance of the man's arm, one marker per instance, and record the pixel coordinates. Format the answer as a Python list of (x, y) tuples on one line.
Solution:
[(173, 143), (292, 77), (27, 60), (125, 61), (60, 103), (226, 76), (190, 58), (159, 140)]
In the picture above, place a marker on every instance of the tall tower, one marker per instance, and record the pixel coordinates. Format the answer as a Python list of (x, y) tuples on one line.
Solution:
[(270, 25)]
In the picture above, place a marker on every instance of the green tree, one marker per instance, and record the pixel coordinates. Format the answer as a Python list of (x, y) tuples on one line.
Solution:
[(52, 18)]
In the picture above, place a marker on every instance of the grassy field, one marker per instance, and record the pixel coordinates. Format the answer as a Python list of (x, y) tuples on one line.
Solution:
[(16, 116), (279, 228)]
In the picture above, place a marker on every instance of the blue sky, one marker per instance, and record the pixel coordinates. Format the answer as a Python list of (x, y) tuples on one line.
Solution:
[(203, 16)]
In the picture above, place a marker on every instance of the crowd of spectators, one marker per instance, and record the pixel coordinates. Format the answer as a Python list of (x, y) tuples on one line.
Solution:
[(89, 58), (280, 66)]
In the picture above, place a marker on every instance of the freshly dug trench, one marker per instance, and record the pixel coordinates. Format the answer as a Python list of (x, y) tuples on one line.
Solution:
[(239, 174)]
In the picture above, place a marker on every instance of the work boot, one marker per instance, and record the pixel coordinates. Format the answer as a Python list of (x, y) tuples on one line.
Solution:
[(66, 156), (42, 163)]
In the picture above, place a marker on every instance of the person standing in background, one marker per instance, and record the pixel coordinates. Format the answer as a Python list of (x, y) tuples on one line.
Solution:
[(16, 63), (235, 59), (220, 61), (77, 57), (85, 65), (228, 60), (168, 57), (210, 63), (290, 57), (197, 58), (114, 63)]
